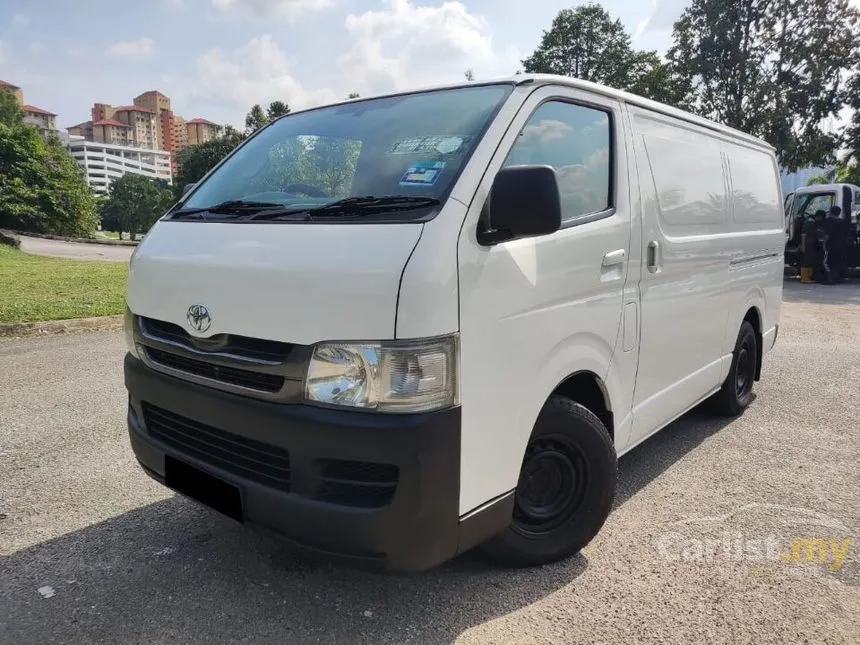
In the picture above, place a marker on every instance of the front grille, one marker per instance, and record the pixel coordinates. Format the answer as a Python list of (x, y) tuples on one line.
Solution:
[(242, 378), (243, 346), (356, 483), (256, 461)]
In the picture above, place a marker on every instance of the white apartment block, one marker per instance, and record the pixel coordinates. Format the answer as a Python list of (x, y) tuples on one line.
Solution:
[(104, 162)]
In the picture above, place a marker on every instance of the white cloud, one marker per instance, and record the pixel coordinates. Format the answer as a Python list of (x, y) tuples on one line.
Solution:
[(663, 15), (141, 48), (288, 10), (406, 44), (20, 20), (257, 72)]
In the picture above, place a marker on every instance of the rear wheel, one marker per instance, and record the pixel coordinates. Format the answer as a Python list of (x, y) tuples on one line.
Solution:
[(737, 390), (565, 490)]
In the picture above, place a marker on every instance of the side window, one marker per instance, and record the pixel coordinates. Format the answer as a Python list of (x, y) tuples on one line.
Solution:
[(575, 140)]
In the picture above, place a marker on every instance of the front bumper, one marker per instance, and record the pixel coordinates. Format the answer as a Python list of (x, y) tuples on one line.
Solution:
[(413, 526)]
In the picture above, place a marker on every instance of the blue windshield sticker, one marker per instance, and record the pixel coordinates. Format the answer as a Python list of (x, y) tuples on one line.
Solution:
[(422, 173)]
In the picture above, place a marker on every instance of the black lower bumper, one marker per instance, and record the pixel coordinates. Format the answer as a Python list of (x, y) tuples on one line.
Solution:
[(375, 488)]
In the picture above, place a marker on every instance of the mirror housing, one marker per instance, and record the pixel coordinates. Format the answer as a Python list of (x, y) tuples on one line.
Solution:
[(524, 202), (187, 188)]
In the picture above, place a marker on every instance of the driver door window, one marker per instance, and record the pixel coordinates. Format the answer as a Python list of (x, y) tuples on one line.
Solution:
[(575, 141)]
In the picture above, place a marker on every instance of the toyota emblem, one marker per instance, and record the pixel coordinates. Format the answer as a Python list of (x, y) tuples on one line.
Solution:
[(199, 318)]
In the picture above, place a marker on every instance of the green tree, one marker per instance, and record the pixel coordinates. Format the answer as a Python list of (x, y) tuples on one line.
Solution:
[(195, 161), (277, 109), (134, 204), (42, 189), (353, 95), (587, 43), (772, 68), (255, 119), (470, 75)]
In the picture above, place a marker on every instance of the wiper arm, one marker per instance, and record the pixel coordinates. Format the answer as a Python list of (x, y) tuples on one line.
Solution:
[(233, 206), (365, 205)]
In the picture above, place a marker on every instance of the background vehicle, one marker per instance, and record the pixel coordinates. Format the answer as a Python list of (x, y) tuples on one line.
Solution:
[(397, 328), (802, 204)]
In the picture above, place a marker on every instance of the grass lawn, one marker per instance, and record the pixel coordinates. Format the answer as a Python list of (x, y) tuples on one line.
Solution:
[(41, 288)]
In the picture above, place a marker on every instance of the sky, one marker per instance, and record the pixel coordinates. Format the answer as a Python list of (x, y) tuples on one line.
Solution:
[(216, 58)]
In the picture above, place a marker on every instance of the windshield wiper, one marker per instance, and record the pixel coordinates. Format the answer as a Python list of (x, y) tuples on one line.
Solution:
[(230, 207), (365, 205)]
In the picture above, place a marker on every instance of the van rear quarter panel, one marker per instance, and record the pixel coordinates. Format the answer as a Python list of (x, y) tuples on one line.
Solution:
[(758, 241)]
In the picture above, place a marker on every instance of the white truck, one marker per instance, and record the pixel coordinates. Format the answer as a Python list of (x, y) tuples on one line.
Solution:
[(399, 327), (802, 204)]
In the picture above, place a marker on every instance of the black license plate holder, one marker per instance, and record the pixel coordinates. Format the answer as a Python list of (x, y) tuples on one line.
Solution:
[(212, 491)]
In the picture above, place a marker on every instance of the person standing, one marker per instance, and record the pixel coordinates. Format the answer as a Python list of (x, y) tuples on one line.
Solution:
[(832, 260), (809, 247)]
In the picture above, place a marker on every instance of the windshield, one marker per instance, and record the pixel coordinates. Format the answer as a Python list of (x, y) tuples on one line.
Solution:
[(406, 149)]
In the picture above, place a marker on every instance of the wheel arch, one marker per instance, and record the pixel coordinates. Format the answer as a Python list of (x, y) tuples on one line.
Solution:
[(588, 389)]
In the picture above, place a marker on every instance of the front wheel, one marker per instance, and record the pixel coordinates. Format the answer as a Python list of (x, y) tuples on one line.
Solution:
[(565, 489)]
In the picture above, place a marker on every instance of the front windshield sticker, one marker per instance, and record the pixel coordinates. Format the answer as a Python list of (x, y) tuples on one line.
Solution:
[(422, 173), (446, 145)]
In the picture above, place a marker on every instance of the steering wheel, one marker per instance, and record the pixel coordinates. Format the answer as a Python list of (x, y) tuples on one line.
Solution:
[(306, 189)]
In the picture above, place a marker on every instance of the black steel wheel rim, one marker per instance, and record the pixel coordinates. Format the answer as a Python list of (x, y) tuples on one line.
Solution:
[(552, 486), (745, 372)]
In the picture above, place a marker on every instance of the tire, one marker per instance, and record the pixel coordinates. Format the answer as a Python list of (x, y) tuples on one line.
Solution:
[(565, 491), (737, 390)]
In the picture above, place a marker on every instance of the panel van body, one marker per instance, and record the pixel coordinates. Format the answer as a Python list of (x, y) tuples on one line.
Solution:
[(394, 329)]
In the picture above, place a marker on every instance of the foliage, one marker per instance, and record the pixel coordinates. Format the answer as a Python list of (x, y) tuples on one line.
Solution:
[(40, 288), (587, 43), (42, 189), (353, 95), (470, 75), (772, 68), (195, 161), (257, 117), (134, 204)]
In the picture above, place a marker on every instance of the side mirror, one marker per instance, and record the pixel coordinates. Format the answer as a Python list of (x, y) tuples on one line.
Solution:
[(187, 188), (524, 202)]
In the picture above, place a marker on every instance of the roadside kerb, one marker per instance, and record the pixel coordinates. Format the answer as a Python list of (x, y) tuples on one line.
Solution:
[(45, 327)]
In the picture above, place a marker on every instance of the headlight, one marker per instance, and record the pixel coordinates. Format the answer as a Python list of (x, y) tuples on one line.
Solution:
[(397, 376), (128, 328)]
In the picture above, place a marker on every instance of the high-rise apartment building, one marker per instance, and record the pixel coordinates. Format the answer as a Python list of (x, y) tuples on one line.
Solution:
[(201, 131), (40, 118), (19, 94), (144, 133), (149, 123), (159, 105), (44, 120)]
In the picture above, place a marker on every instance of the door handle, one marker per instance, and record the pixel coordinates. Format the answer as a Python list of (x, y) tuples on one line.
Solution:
[(614, 257), (653, 256)]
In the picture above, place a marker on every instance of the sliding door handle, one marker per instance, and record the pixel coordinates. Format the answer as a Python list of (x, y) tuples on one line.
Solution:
[(653, 256)]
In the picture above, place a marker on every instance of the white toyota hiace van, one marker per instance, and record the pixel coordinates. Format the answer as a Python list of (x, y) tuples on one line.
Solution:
[(396, 328)]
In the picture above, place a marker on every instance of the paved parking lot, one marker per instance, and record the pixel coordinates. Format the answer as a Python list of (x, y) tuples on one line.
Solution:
[(698, 549)]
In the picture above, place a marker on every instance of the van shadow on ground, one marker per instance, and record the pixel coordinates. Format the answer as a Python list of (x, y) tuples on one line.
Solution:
[(173, 572)]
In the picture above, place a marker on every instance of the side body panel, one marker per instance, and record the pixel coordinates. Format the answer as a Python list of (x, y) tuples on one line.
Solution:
[(533, 312), (712, 250)]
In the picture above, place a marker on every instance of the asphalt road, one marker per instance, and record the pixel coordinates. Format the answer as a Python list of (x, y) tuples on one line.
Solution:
[(76, 250), (128, 562)]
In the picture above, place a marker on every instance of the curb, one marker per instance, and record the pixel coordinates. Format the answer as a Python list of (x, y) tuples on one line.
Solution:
[(79, 240), (47, 327)]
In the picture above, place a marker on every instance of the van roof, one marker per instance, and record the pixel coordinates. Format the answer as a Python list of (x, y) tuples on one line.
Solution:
[(597, 88)]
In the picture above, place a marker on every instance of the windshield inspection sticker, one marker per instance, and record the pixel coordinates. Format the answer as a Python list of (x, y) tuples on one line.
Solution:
[(422, 173), (445, 145)]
